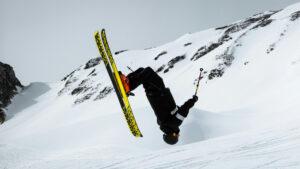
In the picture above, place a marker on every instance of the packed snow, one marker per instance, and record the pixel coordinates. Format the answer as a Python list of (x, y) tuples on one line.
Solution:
[(247, 115)]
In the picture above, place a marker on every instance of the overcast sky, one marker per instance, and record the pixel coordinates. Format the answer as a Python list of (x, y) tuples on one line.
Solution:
[(46, 39)]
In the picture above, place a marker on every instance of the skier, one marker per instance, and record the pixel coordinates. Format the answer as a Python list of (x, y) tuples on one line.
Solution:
[(169, 115)]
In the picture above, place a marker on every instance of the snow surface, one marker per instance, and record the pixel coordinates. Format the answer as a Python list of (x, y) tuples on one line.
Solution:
[(247, 118)]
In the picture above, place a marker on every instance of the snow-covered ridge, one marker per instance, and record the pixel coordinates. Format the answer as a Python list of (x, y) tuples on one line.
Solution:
[(217, 46), (247, 115)]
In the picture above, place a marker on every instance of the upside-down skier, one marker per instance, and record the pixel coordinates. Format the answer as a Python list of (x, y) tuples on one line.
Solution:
[(169, 115)]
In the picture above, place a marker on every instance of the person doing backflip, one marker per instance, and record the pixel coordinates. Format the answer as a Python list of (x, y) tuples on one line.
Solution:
[(169, 115)]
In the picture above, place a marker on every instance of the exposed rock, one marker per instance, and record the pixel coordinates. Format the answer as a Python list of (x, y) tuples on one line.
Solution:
[(69, 75), (246, 63), (226, 61), (82, 87), (8, 87), (271, 48), (260, 19), (8, 84), (187, 44), (93, 73), (206, 49), (2, 116), (92, 63), (121, 51), (173, 61), (149, 48), (263, 23), (160, 54), (85, 87), (222, 27), (225, 38), (86, 92), (263, 20), (103, 93), (160, 68), (295, 16), (84, 98), (70, 79), (215, 73), (200, 52), (227, 58)]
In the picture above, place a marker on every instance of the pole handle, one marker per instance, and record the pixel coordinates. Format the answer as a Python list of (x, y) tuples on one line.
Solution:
[(199, 78)]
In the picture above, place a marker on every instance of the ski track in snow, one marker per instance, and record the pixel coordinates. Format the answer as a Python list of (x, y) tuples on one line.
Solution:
[(247, 118)]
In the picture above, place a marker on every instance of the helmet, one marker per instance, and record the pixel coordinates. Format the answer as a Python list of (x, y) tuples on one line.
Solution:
[(171, 138)]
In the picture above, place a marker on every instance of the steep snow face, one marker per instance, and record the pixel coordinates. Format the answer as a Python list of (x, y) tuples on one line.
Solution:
[(246, 116)]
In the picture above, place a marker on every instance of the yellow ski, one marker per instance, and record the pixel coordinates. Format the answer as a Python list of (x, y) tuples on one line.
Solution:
[(117, 83)]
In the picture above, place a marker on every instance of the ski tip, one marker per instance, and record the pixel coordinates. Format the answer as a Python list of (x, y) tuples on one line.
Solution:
[(96, 33), (137, 135)]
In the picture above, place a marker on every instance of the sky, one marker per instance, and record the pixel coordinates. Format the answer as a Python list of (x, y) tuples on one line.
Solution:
[(46, 39)]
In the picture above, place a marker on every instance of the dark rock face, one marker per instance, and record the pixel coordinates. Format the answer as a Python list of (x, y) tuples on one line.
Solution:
[(160, 54), (206, 49), (2, 116), (226, 58), (218, 72), (82, 84), (226, 61), (187, 44), (263, 23), (121, 51), (160, 68), (92, 63), (8, 87), (175, 60), (103, 93), (171, 63), (295, 16), (261, 20)]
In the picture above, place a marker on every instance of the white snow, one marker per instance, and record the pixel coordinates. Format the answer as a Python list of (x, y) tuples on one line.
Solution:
[(248, 118)]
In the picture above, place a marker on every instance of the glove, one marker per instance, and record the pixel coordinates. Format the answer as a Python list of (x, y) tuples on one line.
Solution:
[(195, 98)]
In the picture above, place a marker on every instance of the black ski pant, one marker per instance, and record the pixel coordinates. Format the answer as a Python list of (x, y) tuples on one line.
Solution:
[(160, 97), (150, 80)]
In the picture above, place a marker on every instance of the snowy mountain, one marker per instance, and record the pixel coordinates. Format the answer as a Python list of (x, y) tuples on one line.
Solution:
[(247, 115)]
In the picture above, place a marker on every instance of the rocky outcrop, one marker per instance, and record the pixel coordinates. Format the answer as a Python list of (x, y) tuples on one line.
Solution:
[(2, 116), (83, 85), (160, 54), (9, 84), (171, 63)]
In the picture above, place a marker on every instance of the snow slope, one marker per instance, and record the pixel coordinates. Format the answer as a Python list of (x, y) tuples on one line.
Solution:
[(246, 116)]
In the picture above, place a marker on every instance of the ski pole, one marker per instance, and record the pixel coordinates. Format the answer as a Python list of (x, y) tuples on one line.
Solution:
[(199, 78), (129, 68)]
